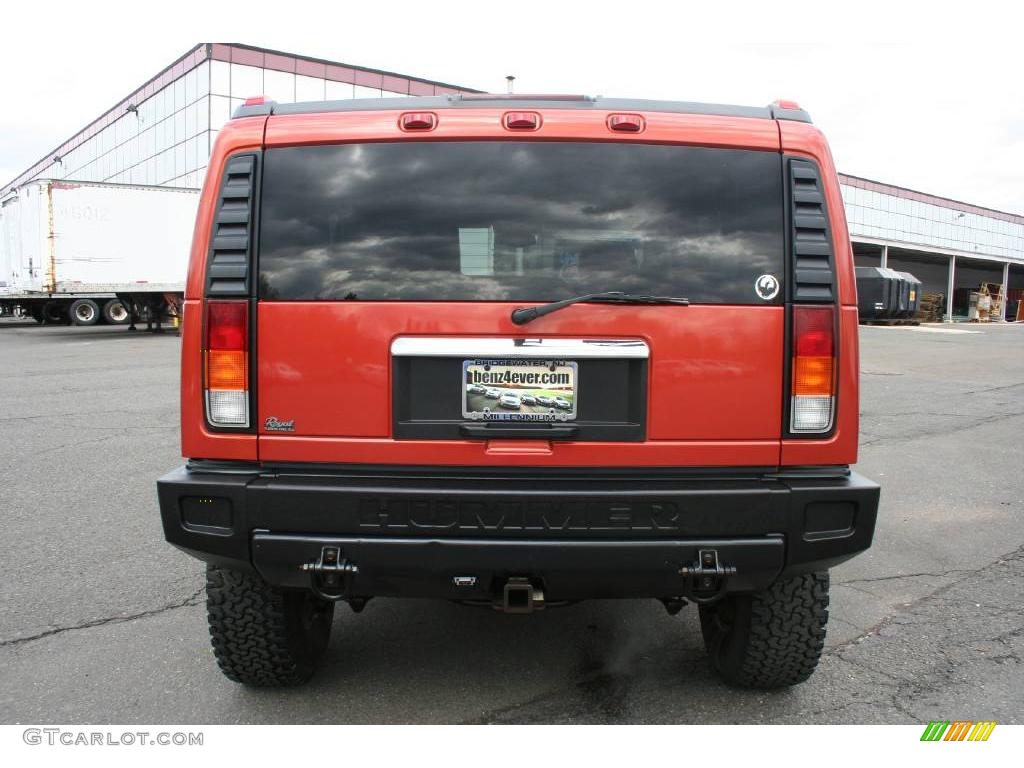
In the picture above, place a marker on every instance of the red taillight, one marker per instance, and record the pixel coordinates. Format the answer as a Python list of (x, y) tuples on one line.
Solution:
[(227, 325), (521, 121), (626, 123), (226, 363), (814, 369), (417, 121)]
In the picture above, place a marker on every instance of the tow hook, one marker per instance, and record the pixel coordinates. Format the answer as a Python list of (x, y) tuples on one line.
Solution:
[(329, 576), (706, 578), (520, 596)]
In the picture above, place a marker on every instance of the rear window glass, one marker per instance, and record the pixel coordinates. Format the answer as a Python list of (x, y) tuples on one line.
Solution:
[(518, 221)]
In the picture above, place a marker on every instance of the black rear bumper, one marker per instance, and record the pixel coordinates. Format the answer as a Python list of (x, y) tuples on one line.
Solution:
[(462, 533)]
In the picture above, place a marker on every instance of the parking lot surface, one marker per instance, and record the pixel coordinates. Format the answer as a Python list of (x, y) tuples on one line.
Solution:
[(101, 621)]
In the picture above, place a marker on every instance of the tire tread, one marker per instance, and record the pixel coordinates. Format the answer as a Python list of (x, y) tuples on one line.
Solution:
[(779, 638), (250, 631)]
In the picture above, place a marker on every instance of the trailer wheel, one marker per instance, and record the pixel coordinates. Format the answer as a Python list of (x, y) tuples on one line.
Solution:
[(115, 312), (84, 312), (55, 312)]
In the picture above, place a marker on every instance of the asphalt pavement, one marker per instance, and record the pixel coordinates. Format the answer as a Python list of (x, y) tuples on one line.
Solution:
[(102, 622)]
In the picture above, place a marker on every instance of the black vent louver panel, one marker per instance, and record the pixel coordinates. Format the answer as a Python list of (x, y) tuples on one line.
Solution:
[(228, 269), (810, 235)]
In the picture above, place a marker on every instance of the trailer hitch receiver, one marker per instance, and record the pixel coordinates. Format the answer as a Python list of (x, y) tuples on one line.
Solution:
[(519, 595)]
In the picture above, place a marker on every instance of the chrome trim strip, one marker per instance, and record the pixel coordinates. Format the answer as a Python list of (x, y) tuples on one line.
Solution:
[(505, 347)]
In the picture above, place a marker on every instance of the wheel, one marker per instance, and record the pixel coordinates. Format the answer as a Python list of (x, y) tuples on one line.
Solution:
[(84, 312), (264, 636), (771, 639), (115, 312), (55, 312)]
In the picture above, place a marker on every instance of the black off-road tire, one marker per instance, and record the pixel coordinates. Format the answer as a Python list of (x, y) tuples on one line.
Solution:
[(263, 636), (770, 639)]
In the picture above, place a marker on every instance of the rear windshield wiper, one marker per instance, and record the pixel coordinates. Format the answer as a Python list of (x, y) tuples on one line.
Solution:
[(523, 315)]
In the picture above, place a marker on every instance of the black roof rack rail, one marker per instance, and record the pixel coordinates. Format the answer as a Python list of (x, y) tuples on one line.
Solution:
[(517, 101)]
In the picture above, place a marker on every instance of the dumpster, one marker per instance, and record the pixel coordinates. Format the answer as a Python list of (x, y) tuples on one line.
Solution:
[(901, 306), (895, 288), (877, 293), (913, 294)]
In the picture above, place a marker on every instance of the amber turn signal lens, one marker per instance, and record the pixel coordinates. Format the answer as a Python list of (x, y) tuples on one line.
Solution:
[(812, 376), (226, 369)]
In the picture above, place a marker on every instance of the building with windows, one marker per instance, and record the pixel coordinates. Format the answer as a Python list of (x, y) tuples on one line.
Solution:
[(950, 246), (161, 134)]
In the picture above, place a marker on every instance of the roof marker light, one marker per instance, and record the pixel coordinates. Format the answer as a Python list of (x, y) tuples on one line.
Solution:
[(785, 104), (417, 121), (521, 121), (626, 123), (255, 101)]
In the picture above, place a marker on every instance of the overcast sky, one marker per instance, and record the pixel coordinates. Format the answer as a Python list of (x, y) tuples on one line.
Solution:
[(928, 96)]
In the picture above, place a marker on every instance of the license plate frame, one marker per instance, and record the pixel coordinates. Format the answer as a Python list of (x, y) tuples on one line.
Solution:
[(520, 376)]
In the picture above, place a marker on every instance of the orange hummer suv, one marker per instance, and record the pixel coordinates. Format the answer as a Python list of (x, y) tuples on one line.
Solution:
[(518, 352)]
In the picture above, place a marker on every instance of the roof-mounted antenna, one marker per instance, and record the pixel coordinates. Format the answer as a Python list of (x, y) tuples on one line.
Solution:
[(509, 80)]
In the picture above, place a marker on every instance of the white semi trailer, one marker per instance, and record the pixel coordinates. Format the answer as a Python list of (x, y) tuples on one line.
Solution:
[(87, 252)]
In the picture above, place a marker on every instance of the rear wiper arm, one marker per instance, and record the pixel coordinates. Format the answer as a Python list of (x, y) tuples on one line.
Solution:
[(523, 315)]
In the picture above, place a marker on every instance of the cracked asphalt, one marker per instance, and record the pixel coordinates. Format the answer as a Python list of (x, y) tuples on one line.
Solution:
[(102, 622)]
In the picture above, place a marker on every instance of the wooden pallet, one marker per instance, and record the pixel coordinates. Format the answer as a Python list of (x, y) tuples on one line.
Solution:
[(932, 308), (998, 312)]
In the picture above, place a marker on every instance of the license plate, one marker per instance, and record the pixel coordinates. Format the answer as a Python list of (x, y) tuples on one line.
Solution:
[(519, 390)]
